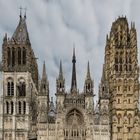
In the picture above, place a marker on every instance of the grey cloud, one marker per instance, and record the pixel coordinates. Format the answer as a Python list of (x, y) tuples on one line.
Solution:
[(54, 25)]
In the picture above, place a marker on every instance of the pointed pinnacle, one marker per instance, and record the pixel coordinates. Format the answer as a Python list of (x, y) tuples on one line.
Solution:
[(88, 71), (60, 70), (74, 57), (44, 75), (103, 73)]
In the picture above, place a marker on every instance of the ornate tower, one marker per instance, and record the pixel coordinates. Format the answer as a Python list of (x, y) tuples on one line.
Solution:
[(104, 100), (60, 98), (60, 81), (122, 73), (43, 98), (89, 103), (17, 54), (20, 83), (88, 91)]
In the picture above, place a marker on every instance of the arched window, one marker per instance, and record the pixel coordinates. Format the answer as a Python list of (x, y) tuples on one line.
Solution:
[(12, 107), (19, 56), (13, 57), (88, 86), (10, 88), (7, 108), (8, 56), (24, 56), (24, 107), (21, 89), (60, 85), (19, 107)]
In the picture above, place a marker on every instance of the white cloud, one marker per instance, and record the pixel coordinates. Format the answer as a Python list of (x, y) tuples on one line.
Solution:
[(54, 25)]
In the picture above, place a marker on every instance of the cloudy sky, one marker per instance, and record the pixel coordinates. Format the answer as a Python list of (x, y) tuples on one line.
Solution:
[(55, 25)]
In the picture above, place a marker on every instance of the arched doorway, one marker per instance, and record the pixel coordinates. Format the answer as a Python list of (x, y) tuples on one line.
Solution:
[(74, 128)]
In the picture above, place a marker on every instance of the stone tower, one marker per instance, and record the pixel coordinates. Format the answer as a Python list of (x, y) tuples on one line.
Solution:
[(17, 54), (121, 73), (20, 83)]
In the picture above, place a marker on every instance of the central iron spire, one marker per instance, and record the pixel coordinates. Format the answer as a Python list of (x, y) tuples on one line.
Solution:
[(73, 81)]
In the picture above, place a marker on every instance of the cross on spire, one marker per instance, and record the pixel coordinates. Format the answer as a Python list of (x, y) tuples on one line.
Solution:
[(25, 9), (20, 8)]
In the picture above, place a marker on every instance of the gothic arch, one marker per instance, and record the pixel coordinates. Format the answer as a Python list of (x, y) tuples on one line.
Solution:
[(10, 86), (74, 117), (21, 87)]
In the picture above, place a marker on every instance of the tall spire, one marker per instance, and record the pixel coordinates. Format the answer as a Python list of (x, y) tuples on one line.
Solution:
[(73, 81), (44, 75)]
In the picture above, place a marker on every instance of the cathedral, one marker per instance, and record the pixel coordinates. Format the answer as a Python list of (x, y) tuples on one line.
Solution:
[(28, 113)]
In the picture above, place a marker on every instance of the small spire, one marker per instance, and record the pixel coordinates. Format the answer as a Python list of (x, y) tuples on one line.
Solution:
[(88, 71), (60, 70), (103, 73), (5, 37), (44, 75), (134, 25), (74, 57)]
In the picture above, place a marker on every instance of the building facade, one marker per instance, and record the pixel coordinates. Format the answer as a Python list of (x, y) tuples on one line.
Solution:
[(28, 113)]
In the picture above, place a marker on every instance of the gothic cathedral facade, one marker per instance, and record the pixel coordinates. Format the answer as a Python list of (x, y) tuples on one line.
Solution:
[(28, 113)]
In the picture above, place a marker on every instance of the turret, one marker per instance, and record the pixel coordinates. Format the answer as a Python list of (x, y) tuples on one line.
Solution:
[(44, 88), (88, 87), (60, 81), (43, 97)]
